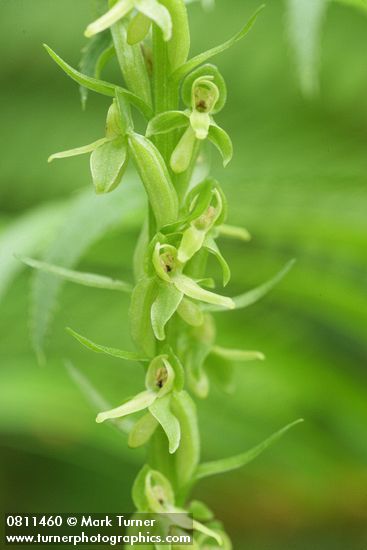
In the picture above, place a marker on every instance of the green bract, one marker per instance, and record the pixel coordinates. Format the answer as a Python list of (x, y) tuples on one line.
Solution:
[(173, 292)]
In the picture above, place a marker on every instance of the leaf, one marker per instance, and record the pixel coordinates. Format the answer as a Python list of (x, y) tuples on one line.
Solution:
[(156, 179), (108, 164), (166, 122), (94, 54), (222, 142), (99, 86), (187, 455), (190, 65), (142, 299), (212, 247), (161, 410), (28, 234), (304, 25), (78, 277), (142, 431), (132, 62), (164, 306), (237, 354), (114, 352), (227, 464), (138, 403), (179, 46), (78, 150), (78, 231), (191, 289), (254, 295), (158, 13), (94, 397)]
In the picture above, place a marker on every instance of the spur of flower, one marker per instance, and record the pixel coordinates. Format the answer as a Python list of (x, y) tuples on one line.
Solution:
[(204, 93), (146, 12)]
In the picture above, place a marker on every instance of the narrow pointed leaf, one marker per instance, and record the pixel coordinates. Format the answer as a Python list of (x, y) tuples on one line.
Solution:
[(156, 179), (79, 277), (119, 210), (138, 403), (237, 354), (157, 13), (235, 462), (119, 10), (161, 410), (201, 58), (188, 454), (99, 86), (222, 142), (142, 299), (166, 122), (78, 150), (164, 306), (132, 63), (94, 55), (234, 232), (254, 295), (212, 247), (179, 46), (190, 288), (114, 352)]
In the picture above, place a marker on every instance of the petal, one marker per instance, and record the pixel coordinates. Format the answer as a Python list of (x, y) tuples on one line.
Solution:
[(182, 154), (221, 140), (108, 164), (200, 123), (78, 150), (193, 290), (157, 13), (164, 307), (142, 431), (118, 11), (192, 241), (138, 403), (138, 29), (161, 411)]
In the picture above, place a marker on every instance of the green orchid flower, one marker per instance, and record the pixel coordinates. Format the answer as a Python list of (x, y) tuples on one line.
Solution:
[(204, 92), (153, 493), (109, 155), (147, 11), (162, 379), (170, 270)]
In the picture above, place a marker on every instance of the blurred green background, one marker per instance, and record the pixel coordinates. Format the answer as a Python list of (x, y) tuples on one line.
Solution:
[(297, 182)]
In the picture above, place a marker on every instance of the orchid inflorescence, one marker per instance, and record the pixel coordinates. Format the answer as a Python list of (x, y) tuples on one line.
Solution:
[(173, 299)]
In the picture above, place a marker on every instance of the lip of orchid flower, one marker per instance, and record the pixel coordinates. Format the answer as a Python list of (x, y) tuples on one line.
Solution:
[(169, 269), (147, 9)]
